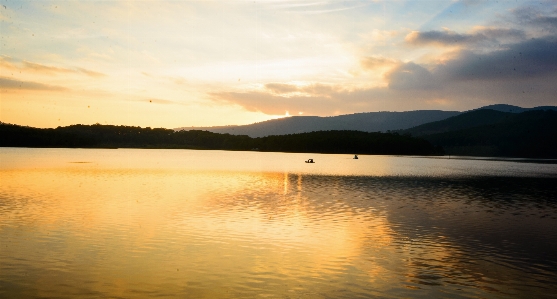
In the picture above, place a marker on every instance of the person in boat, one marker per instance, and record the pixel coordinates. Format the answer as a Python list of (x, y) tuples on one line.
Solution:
[(310, 161), (355, 156)]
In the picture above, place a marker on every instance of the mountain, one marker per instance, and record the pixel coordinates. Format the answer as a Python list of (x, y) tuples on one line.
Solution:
[(474, 118), (465, 120), (365, 122), (528, 134), (515, 109)]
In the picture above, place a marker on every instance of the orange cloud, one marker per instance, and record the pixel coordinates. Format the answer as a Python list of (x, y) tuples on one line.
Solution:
[(280, 88), (91, 73), (372, 63), (6, 83), (312, 90), (39, 68), (13, 64)]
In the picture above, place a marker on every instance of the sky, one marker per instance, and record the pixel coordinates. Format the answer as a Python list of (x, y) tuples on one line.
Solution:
[(212, 63)]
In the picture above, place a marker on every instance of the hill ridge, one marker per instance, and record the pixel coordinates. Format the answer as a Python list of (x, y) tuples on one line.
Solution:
[(382, 121)]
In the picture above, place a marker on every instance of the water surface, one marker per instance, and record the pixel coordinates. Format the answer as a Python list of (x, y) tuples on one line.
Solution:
[(130, 223)]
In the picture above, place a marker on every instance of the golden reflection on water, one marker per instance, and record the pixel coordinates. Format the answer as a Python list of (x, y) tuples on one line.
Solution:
[(121, 229), (152, 228)]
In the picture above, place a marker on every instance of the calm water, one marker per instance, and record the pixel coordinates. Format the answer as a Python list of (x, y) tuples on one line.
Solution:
[(131, 223)]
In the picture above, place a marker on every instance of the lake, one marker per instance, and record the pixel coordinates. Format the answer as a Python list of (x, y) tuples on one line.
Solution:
[(143, 223)]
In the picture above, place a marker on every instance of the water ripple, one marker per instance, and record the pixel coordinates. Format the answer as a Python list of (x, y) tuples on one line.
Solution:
[(88, 230)]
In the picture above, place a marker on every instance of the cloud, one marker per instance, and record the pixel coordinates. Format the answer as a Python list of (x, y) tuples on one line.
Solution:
[(450, 38), (372, 62), (410, 76), (498, 34), (437, 37), (6, 83), (531, 58), (522, 73), (528, 15), (272, 104), (322, 7), (90, 73), (315, 89), (280, 88), (337, 100), (39, 68), (14, 64), (524, 60), (324, 90)]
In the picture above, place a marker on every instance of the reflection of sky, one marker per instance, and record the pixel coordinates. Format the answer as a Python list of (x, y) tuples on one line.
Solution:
[(195, 63), (118, 231)]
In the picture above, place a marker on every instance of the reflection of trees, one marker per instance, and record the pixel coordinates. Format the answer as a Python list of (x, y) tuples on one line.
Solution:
[(492, 230)]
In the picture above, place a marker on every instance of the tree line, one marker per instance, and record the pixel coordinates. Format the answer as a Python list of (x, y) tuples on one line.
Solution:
[(109, 136)]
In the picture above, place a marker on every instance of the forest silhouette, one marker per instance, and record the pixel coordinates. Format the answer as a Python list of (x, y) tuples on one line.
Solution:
[(109, 136), (488, 133)]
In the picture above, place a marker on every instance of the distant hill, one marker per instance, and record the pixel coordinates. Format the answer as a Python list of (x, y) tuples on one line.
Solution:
[(515, 109), (492, 133), (365, 122), (465, 120)]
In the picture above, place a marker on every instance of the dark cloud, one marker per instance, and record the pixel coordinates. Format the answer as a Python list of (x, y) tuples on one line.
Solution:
[(447, 38), (439, 37), (6, 83), (532, 58), (526, 60), (532, 16)]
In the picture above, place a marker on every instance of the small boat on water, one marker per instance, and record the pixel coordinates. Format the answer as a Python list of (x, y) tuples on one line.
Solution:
[(310, 161), (355, 156)]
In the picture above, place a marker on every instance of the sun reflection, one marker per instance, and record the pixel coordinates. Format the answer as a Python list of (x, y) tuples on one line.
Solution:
[(137, 210), (285, 190)]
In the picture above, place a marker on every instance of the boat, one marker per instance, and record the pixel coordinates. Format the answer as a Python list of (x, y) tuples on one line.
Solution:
[(310, 161), (355, 156)]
